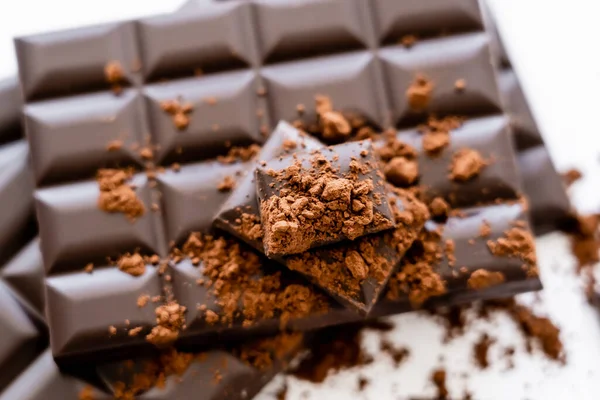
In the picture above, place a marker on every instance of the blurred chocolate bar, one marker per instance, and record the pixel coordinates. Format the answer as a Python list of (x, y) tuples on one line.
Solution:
[(142, 129)]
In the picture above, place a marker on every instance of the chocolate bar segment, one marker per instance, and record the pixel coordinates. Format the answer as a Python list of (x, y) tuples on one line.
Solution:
[(182, 193), (224, 110), (73, 144), (490, 136), (44, 72), (213, 38), (340, 186)]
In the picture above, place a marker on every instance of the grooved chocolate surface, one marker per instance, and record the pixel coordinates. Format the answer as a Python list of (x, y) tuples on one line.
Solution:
[(239, 81)]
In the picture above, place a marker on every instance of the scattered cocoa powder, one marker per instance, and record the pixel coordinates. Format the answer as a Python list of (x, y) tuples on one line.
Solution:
[(114, 145), (227, 184), (170, 319), (236, 154), (135, 331), (87, 393), (113, 72), (466, 164), (401, 171), (571, 176), (143, 300), (481, 349), (419, 93), (179, 112), (89, 268), (264, 353), (234, 276), (483, 279), (460, 85), (585, 243), (408, 41), (439, 209), (485, 229), (398, 354), (332, 125), (436, 133), (116, 195), (132, 264), (417, 277), (438, 378), (519, 243)]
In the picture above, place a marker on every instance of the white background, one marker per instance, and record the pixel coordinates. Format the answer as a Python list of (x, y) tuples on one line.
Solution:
[(554, 47)]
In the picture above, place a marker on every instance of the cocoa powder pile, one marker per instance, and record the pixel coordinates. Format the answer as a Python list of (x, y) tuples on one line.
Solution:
[(234, 276), (322, 198), (116, 195)]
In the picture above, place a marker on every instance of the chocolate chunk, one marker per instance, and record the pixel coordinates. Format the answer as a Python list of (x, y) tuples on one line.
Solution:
[(321, 198)]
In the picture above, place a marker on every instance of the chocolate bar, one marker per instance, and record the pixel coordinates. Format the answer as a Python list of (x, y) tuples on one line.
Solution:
[(550, 205), (152, 106)]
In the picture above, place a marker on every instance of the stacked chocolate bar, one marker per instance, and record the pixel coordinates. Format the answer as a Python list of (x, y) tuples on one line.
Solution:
[(223, 179)]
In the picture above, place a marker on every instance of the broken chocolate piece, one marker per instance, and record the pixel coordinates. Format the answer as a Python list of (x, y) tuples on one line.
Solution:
[(316, 199)]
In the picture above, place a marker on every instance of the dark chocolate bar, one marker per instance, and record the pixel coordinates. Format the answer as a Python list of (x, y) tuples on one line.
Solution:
[(550, 205), (188, 87)]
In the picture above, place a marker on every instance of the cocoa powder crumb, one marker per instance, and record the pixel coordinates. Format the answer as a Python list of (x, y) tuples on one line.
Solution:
[(398, 354), (408, 41), (485, 229), (113, 72), (466, 165), (333, 126), (449, 247), (436, 133), (481, 349), (483, 279), (439, 209), (170, 319), (419, 93), (211, 317), (112, 330), (132, 264), (438, 378), (179, 112), (87, 393), (227, 184), (89, 268), (135, 331), (460, 85), (571, 176), (116, 195), (143, 300), (401, 171), (114, 145), (585, 244), (518, 243), (236, 154)]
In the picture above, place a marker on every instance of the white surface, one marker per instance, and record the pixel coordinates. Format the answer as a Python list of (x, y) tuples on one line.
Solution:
[(553, 45)]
